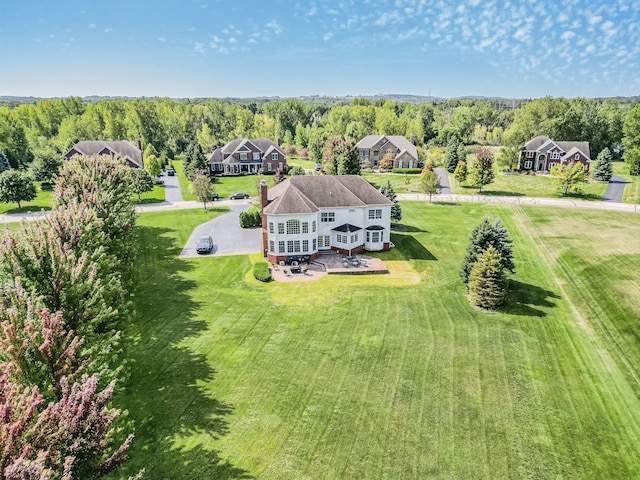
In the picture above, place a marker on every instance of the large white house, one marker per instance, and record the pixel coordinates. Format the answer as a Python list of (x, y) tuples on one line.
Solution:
[(304, 215)]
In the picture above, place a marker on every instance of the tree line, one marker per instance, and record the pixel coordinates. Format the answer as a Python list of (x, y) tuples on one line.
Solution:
[(37, 132)]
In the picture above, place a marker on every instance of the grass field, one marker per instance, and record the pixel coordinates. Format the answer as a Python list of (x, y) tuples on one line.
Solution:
[(528, 186), (392, 376), (224, 186)]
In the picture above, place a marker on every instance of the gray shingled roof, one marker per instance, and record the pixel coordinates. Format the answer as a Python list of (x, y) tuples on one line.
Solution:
[(262, 145), (536, 142), (307, 194), (347, 228), (397, 141), (121, 148)]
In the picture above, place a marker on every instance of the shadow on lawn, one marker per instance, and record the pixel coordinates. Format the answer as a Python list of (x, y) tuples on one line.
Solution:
[(176, 421), (526, 299), (410, 248)]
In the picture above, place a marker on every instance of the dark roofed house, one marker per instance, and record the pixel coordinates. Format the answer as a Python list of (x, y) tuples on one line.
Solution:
[(304, 215), (373, 147), (246, 157), (131, 154), (541, 154)]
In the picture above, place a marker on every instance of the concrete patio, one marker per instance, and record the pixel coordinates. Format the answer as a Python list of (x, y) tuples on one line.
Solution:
[(330, 264)]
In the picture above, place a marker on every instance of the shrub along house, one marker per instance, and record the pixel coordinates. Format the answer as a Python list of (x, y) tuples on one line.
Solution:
[(305, 215), (374, 147), (131, 154), (247, 157), (541, 154)]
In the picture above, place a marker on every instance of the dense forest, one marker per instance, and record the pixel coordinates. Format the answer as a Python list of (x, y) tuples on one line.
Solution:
[(50, 127)]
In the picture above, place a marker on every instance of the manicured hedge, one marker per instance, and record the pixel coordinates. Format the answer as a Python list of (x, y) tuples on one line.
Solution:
[(261, 272), (251, 218), (406, 170)]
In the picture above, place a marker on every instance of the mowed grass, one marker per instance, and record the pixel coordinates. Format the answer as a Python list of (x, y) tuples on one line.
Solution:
[(543, 186), (224, 186), (391, 376), (41, 202)]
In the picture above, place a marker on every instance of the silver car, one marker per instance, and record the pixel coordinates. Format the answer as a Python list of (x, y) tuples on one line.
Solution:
[(205, 244)]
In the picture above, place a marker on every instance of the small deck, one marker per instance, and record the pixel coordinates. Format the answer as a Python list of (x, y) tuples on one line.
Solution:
[(330, 264)]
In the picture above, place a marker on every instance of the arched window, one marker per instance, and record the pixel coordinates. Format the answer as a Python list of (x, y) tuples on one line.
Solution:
[(293, 227)]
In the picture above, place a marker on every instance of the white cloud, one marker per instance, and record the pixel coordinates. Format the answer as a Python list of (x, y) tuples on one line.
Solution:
[(162, 39), (327, 36), (568, 35), (198, 47), (92, 25), (232, 40), (275, 26)]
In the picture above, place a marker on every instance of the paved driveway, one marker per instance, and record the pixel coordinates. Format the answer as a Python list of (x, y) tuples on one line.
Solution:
[(172, 193), (228, 237), (444, 180), (615, 189)]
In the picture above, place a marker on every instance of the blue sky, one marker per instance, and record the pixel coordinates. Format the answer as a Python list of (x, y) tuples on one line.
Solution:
[(220, 48)]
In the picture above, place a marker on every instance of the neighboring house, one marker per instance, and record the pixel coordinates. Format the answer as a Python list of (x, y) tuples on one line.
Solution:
[(304, 215), (247, 156), (374, 147), (131, 154), (541, 154)]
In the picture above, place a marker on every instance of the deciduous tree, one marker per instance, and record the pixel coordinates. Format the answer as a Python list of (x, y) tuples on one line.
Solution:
[(152, 165), (16, 186), (460, 173), (141, 181), (430, 183), (46, 163), (569, 178), (481, 171), (201, 187)]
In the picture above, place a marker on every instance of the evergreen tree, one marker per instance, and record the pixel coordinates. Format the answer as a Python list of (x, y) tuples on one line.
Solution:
[(195, 161), (396, 210), (602, 169), (152, 165), (451, 158), (4, 162), (460, 174), (488, 280), (484, 235)]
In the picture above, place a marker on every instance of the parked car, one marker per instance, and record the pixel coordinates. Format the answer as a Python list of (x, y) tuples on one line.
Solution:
[(205, 244), (239, 196), (318, 167), (171, 172), (214, 197)]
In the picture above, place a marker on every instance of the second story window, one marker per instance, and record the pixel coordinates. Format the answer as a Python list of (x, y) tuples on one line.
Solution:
[(376, 213), (243, 155), (274, 156), (293, 227), (256, 156), (327, 217)]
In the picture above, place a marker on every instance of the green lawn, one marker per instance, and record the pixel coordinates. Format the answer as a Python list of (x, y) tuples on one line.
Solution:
[(224, 186), (400, 183), (528, 186), (391, 376), (294, 161), (154, 196)]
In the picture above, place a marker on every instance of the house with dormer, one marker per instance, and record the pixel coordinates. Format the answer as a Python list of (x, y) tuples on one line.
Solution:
[(304, 215), (247, 157), (541, 154), (373, 147)]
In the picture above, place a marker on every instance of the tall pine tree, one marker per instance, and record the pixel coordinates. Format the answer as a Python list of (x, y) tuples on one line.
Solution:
[(396, 210), (484, 235), (488, 280), (602, 169), (451, 157)]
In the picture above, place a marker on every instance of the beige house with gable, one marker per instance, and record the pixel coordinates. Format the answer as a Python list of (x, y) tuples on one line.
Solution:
[(374, 147)]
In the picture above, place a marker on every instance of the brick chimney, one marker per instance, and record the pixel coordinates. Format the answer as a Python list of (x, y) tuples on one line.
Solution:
[(263, 203), (279, 140), (141, 151), (413, 139)]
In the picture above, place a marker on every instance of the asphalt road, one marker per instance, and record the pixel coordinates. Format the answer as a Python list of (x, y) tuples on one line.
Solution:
[(228, 237), (615, 189)]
